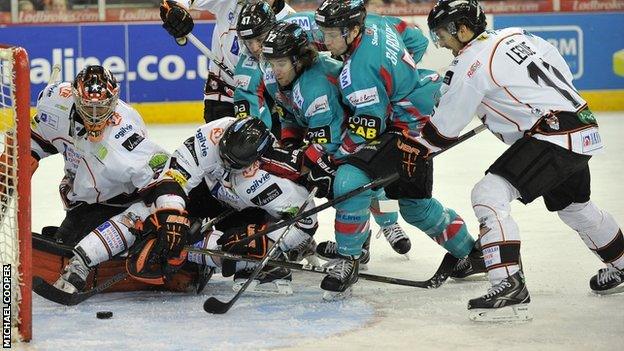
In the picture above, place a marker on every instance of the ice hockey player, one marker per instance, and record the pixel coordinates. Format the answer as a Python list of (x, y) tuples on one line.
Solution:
[(305, 83), (107, 156), (219, 89), (225, 154), (250, 97), (387, 95), (521, 88)]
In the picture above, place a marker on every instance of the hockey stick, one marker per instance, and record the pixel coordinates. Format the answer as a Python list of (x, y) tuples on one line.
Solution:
[(49, 292), (374, 184), (204, 50), (435, 281), (215, 306)]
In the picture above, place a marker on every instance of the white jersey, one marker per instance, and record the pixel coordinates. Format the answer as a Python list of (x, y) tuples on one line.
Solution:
[(198, 160), (225, 44), (510, 79), (109, 171)]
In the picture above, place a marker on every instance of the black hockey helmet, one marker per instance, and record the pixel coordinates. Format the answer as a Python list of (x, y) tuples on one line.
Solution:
[(244, 142), (450, 13), (340, 13), (284, 40), (254, 20)]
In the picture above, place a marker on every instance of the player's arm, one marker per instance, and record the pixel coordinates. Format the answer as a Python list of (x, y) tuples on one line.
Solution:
[(456, 108), (249, 96)]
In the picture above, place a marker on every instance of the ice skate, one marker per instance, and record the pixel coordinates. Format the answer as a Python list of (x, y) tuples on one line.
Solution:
[(396, 237), (74, 277), (608, 281), (271, 280), (471, 267), (506, 301), (338, 283)]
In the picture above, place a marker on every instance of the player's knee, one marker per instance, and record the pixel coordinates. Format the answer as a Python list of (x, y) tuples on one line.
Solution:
[(491, 198), (348, 178)]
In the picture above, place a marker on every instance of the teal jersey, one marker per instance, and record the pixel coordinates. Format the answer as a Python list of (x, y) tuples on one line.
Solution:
[(250, 96), (315, 104), (413, 38), (382, 86)]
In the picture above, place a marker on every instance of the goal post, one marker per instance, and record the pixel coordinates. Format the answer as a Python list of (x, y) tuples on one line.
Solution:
[(15, 221)]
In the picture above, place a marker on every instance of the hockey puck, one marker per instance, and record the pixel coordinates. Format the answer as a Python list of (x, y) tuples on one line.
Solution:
[(104, 314)]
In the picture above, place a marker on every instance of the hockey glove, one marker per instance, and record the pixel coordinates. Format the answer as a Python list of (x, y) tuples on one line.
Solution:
[(255, 248), (322, 171), (413, 156), (283, 163), (171, 227), (177, 21)]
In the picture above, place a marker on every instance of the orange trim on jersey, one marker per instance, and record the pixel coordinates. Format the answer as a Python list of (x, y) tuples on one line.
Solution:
[(492, 56), (492, 73), (97, 199), (497, 219), (502, 115)]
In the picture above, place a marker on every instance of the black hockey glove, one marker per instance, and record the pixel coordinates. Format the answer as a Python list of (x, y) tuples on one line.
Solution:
[(157, 255), (413, 156), (171, 227), (229, 242), (322, 171), (177, 21)]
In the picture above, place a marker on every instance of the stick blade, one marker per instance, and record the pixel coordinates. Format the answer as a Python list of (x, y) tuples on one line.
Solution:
[(214, 306)]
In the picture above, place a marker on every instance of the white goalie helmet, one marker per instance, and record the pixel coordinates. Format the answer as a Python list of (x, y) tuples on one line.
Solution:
[(96, 94)]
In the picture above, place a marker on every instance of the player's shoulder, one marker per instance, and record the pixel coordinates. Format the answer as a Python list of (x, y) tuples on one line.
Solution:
[(56, 98), (129, 132), (54, 106), (209, 134)]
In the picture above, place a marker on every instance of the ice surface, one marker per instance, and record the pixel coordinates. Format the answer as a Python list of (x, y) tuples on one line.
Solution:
[(567, 316)]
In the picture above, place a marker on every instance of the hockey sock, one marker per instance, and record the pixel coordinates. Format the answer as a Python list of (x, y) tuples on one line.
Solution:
[(441, 224)]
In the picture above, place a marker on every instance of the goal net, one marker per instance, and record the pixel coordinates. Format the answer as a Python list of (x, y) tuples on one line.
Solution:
[(15, 235)]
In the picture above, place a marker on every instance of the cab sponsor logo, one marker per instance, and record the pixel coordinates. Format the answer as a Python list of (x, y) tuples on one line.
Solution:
[(257, 183), (365, 126), (364, 97), (319, 105), (591, 140), (303, 22), (321, 135)]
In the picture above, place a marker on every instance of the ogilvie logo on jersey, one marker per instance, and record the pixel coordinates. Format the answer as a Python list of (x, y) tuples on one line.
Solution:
[(123, 131), (201, 139), (258, 183)]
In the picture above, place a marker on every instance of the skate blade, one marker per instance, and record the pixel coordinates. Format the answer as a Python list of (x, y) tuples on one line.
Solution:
[(276, 287), (363, 267), (332, 296), (515, 313), (617, 289), (472, 278)]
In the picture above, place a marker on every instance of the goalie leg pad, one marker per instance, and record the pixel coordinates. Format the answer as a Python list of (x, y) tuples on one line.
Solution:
[(113, 236)]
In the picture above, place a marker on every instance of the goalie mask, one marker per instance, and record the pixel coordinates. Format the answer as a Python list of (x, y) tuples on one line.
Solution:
[(96, 94)]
